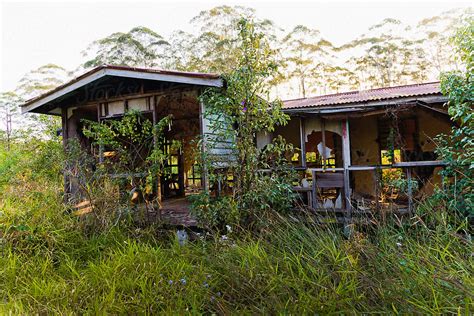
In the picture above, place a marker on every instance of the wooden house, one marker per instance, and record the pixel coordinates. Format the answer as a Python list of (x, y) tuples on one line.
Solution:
[(348, 142)]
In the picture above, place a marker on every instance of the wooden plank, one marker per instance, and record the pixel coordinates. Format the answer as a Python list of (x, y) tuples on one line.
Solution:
[(377, 189), (80, 83), (329, 180), (325, 169), (346, 153), (210, 82), (83, 211), (67, 182), (64, 126), (408, 164), (410, 192), (323, 134), (204, 173), (303, 142), (314, 188), (87, 79), (369, 168), (155, 144)]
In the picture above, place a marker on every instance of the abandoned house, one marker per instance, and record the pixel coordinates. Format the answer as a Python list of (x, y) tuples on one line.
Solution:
[(349, 144)]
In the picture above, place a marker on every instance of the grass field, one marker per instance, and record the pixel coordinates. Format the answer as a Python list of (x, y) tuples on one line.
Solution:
[(50, 265)]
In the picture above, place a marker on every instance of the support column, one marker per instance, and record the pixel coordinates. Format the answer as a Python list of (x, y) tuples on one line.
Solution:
[(303, 142), (410, 192), (346, 153), (155, 143), (67, 182), (204, 171)]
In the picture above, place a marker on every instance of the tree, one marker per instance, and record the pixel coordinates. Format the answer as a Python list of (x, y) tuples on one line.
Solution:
[(215, 48), (181, 54), (244, 106), (41, 79), (35, 83), (457, 149), (140, 47), (435, 33), (307, 56), (387, 56), (9, 115)]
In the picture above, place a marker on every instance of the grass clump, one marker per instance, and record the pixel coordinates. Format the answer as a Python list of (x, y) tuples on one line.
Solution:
[(48, 264)]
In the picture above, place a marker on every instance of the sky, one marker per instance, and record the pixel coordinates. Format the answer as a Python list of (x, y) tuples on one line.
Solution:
[(35, 33)]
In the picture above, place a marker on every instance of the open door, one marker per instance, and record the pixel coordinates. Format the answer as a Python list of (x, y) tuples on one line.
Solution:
[(172, 181)]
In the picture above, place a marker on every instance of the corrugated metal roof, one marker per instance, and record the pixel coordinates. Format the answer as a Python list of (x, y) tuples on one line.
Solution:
[(134, 69), (355, 97)]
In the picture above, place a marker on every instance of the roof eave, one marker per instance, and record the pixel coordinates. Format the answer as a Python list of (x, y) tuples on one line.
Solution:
[(358, 106), (34, 104)]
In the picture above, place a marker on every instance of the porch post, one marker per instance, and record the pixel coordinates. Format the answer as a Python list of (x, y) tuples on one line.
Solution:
[(204, 171), (67, 182), (346, 153), (303, 142), (155, 143)]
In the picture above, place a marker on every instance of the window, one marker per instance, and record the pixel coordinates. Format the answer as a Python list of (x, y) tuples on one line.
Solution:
[(194, 175)]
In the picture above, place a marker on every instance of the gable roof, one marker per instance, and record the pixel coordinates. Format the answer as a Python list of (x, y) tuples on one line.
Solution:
[(362, 97), (193, 78)]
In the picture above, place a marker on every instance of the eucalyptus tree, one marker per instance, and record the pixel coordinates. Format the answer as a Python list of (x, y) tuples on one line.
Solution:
[(9, 116), (216, 44), (307, 55), (387, 56), (139, 47), (35, 83), (41, 79), (182, 51), (435, 33)]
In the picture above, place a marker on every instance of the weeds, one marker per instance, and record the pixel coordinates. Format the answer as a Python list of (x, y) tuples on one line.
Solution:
[(49, 265)]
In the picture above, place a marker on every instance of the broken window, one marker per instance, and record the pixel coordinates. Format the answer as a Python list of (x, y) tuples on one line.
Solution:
[(324, 150)]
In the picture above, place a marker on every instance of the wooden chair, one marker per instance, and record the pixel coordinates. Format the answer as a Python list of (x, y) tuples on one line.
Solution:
[(327, 180)]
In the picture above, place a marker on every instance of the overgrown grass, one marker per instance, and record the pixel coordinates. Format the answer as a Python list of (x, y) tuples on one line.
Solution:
[(48, 265)]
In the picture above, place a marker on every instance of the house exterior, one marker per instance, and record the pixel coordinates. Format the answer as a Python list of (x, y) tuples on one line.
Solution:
[(353, 143), (345, 140)]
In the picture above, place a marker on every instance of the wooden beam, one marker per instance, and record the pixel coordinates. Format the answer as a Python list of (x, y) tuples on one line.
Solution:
[(66, 179), (377, 188), (323, 135), (314, 191), (426, 163), (89, 78), (204, 172), (346, 153), (303, 142), (64, 126), (410, 193), (155, 144)]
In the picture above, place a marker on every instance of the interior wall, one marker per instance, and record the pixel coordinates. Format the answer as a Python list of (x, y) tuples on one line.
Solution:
[(430, 125), (364, 151), (291, 131)]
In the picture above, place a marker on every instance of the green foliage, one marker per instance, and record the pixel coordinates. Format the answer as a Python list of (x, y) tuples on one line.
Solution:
[(140, 46), (243, 106), (138, 143), (292, 268), (48, 265), (307, 57), (457, 149), (137, 158), (215, 212), (389, 57)]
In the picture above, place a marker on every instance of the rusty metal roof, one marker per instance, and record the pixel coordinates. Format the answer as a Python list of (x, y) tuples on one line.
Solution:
[(191, 75), (357, 97)]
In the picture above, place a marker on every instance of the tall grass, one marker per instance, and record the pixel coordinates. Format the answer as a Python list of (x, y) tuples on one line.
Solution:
[(48, 265)]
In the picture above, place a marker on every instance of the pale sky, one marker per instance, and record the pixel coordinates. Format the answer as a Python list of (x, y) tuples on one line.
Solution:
[(34, 33)]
